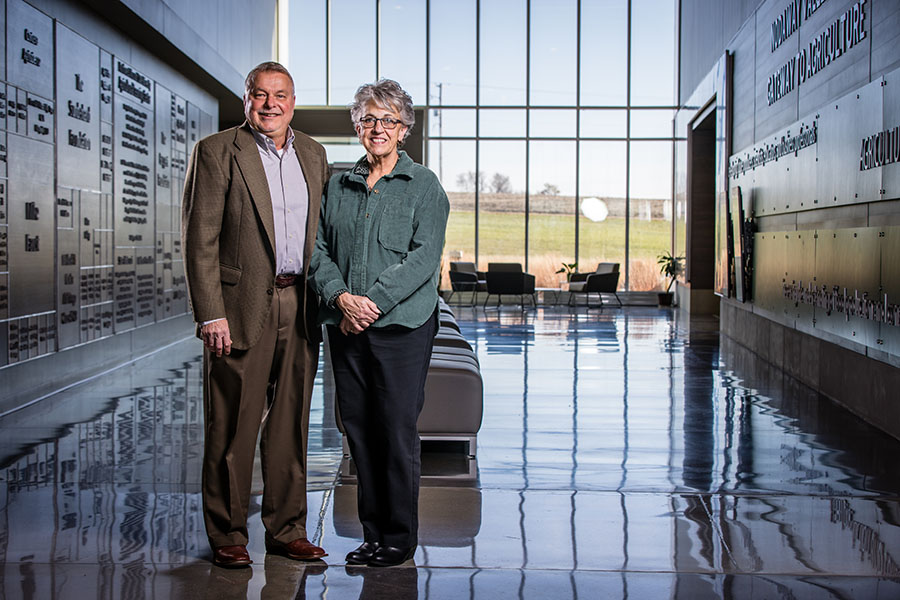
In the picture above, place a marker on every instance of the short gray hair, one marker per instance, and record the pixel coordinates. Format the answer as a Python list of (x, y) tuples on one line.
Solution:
[(386, 93), (250, 81)]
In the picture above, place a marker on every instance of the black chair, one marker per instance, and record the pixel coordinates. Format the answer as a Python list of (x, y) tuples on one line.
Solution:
[(508, 278), (469, 267), (463, 282), (605, 280), (465, 278)]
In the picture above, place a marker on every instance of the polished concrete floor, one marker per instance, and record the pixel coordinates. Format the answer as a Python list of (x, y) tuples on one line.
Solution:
[(623, 454)]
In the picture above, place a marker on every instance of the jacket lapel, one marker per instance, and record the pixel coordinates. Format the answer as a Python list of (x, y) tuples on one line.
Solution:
[(312, 169), (247, 157)]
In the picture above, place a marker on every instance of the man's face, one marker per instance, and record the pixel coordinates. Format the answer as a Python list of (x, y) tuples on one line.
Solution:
[(269, 106)]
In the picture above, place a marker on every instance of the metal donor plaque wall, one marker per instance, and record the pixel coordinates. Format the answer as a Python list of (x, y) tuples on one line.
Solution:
[(841, 281), (92, 162)]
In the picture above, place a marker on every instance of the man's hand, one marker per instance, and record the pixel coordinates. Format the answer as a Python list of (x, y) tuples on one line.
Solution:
[(217, 336), (359, 312)]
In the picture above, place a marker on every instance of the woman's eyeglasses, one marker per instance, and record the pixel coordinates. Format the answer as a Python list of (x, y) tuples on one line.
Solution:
[(386, 122)]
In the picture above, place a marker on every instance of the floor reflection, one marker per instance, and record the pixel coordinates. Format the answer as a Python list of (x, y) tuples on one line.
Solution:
[(621, 455)]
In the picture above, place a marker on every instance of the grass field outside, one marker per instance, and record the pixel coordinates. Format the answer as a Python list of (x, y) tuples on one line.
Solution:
[(501, 238)]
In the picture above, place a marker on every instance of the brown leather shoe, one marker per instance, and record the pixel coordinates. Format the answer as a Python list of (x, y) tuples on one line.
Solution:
[(299, 549), (231, 556)]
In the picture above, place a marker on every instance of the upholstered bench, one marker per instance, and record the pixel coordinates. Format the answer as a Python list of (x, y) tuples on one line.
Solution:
[(454, 392)]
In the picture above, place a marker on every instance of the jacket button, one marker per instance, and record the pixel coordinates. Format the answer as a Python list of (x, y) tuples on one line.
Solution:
[(269, 291)]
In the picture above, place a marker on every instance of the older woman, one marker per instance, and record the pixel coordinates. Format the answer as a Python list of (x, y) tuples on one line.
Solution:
[(375, 268)]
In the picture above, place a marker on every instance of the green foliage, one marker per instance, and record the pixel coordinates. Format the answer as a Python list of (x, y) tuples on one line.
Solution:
[(568, 269), (504, 234), (670, 266)]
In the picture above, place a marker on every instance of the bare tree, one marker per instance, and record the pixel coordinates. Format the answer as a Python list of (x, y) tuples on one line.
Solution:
[(549, 190), (500, 184), (468, 180)]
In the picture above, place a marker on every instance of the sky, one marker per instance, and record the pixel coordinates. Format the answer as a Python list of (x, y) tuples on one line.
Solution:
[(458, 51)]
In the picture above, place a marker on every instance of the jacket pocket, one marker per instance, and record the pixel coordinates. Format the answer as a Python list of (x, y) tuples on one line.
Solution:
[(396, 229), (229, 275)]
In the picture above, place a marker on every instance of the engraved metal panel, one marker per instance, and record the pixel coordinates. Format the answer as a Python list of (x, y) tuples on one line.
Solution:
[(13, 343), (88, 222), (3, 78), (781, 170), (4, 337), (179, 166), (134, 184), (179, 124), (21, 112), (106, 157), (193, 127), (145, 278), (31, 216), (130, 83), (106, 86), (890, 173), (47, 334), (4, 237), (163, 159), (769, 271), (4, 299), (847, 263), (124, 289), (68, 267), (4, 105), (889, 333), (178, 293), (842, 125), (105, 316), (29, 45), (133, 176), (3, 185), (800, 256), (28, 336), (86, 324), (9, 104), (78, 102), (40, 113)]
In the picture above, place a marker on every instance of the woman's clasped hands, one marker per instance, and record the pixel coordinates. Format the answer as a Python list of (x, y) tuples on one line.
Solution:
[(359, 312)]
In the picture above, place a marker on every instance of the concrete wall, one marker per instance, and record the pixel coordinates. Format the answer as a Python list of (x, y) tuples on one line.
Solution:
[(706, 28), (866, 387), (819, 218)]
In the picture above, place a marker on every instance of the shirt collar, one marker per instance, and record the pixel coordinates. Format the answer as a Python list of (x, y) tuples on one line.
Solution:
[(404, 167), (266, 143)]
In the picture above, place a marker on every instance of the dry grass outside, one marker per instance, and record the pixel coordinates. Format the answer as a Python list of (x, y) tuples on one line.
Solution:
[(645, 274), (550, 204)]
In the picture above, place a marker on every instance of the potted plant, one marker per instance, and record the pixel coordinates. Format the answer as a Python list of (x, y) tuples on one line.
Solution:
[(671, 267), (569, 269)]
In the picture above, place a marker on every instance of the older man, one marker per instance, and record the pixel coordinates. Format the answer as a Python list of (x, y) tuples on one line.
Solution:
[(250, 213)]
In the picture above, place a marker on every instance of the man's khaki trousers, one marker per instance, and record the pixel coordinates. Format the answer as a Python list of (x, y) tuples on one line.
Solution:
[(269, 385)]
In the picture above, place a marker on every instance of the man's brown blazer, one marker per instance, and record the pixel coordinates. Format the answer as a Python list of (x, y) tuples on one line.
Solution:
[(228, 232)]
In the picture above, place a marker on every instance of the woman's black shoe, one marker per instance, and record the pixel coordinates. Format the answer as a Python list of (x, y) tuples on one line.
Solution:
[(389, 556), (363, 554)]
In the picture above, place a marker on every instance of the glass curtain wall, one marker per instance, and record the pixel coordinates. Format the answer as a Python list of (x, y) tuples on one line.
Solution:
[(549, 122)]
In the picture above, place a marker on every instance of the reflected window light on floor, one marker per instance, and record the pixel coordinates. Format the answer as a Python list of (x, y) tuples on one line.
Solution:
[(622, 454)]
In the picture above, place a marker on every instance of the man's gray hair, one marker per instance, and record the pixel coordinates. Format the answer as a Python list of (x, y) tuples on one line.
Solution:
[(265, 67), (385, 93)]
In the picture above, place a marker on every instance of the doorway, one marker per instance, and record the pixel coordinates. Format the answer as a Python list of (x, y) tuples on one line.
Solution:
[(700, 260)]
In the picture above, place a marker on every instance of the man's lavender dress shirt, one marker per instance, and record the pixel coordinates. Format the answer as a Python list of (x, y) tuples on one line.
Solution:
[(290, 201)]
